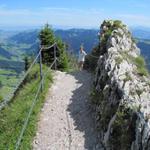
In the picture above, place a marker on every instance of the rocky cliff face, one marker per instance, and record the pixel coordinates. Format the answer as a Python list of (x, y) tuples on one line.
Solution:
[(122, 91)]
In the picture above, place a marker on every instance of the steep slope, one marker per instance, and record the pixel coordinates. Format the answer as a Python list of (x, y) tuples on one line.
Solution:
[(26, 37), (121, 93), (142, 33), (75, 37), (144, 45), (5, 54)]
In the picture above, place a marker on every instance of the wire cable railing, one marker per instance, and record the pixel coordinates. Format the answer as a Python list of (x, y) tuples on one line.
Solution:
[(91, 55), (10, 96), (31, 108), (39, 88)]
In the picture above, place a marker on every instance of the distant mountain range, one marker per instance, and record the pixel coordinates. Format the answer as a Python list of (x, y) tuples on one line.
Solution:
[(75, 37), (4, 53), (14, 45), (141, 33)]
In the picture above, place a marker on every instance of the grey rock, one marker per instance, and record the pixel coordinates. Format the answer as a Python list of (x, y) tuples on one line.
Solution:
[(125, 93)]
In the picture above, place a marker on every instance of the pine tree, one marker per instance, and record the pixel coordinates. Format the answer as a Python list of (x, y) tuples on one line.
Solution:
[(63, 56), (48, 38), (1, 85), (26, 63), (1, 98)]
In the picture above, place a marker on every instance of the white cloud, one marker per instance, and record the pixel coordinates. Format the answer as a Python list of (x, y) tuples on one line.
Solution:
[(59, 16), (136, 19), (10, 13), (138, 5), (65, 17)]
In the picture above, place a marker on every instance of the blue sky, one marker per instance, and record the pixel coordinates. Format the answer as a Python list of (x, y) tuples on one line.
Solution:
[(73, 13)]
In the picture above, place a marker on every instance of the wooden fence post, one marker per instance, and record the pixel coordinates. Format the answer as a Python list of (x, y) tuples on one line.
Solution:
[(41, 72), (55, 65)]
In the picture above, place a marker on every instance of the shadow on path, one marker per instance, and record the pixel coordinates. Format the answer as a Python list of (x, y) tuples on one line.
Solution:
[(79, 109)]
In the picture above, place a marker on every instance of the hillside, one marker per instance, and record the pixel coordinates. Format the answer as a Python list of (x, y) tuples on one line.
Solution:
[(15, 45), (141, 33), (120, 94), (26, 37), (5, 54), (14, 115), (144, 45), (73, 38)]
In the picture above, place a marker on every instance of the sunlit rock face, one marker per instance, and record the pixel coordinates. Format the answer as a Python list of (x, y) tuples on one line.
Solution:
[(122, 91)]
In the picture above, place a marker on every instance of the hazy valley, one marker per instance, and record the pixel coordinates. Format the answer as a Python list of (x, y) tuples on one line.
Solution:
[(15, 45)]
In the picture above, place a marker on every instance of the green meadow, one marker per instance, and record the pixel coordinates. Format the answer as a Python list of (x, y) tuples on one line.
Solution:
[(8, 81)]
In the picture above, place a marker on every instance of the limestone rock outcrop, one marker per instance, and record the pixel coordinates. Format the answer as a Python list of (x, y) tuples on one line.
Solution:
[(122, 91)]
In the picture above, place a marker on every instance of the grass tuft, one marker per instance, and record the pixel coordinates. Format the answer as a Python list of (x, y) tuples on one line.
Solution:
[(140, 63), (13, 116)]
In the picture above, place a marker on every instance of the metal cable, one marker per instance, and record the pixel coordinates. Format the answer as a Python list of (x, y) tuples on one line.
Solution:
[(5, 102), (43, 46), (93, 56), (9, 97), (49, 68), (27, 119), (31, 108)]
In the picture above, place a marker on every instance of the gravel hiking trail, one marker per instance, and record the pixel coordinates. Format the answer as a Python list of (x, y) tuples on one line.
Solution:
[(66, 121)]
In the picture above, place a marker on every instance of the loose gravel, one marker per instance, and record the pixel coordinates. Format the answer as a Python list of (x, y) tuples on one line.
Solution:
[(66, 121)]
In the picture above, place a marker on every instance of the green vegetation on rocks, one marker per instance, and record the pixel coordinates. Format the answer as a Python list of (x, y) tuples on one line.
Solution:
[(118, 60), (138, 61), (121, 91), (128, 77), (141, 66), (106, 30), (123, 129), (1, 98)]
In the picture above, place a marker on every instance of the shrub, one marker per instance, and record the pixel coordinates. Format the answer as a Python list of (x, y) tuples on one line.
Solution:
[(133, 40), (63, 56), (108, 33), (128, 77), (34, 74), (72, 62), (118, 60), (90, 61), (13, 116), (139, 61), (141, 68), (117, 24), (96, 96), (123, 129), (139, 92), (1, 85), (142, 71), (111, 25), (26, 63), (48, 38), (1, 98)]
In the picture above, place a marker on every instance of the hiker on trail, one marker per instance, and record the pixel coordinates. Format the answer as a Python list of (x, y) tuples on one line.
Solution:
[(81, 58)]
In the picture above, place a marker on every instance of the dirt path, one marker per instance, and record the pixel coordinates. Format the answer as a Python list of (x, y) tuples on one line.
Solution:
[(66, 120)]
